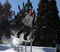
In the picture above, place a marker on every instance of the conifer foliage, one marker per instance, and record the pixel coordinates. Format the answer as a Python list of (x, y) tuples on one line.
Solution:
[(7, 10), (22, 13), (5, 15), (46, 22), (1, 11)]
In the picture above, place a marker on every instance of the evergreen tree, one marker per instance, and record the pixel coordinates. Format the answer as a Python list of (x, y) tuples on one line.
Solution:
[(17, 19), (1, 15), (7, 14), (1, 11), (22, 13), (7, 10), (28, 6), (46, 22)]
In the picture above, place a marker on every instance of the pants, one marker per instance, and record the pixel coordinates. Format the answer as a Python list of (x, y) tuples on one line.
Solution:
[(24, 29)]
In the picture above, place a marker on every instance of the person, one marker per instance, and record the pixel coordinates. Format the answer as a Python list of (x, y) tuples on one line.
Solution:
[(28, 20), (57, 43)]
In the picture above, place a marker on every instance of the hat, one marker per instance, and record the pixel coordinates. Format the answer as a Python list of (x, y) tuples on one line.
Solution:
[(30, 12)]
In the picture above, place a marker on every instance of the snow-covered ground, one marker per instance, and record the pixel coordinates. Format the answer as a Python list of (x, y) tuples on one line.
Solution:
[(8, 48)]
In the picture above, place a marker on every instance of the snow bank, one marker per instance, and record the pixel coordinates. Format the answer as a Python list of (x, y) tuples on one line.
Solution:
[(8, 48)]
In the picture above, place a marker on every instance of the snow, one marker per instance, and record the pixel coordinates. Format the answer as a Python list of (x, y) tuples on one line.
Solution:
[(8, 48)]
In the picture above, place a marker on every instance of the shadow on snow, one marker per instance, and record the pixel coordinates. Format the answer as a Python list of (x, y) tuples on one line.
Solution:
[(3, 48), (49, 49)]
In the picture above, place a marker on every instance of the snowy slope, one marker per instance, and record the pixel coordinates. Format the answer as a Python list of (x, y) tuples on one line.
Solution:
[(8, 48)]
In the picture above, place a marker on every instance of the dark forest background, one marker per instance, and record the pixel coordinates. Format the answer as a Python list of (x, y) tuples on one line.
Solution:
[(46, 21)]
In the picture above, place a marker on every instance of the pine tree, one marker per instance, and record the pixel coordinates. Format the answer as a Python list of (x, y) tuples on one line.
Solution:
[(7, 14), (1, 15), (7, 10), (22, 13), (1, 11), (46, 22), (28, 6)]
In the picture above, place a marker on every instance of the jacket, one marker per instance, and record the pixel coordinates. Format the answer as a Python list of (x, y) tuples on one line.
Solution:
[(28, 20)]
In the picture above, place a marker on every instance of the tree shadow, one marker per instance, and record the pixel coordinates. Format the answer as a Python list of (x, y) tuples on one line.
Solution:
[(2, 48), (49, 49)]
